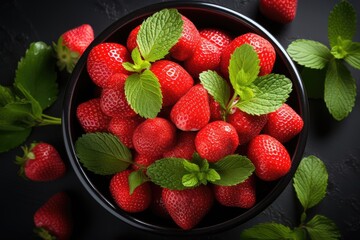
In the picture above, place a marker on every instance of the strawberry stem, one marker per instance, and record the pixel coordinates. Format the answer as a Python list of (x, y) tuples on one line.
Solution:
[(66, 59), (49, 120), (44, 234)]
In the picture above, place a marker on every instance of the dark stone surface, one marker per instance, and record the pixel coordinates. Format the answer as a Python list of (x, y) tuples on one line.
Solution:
[(336, 143)]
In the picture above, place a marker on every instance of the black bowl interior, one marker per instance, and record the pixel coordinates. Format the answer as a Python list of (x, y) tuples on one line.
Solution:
[(81, 88)]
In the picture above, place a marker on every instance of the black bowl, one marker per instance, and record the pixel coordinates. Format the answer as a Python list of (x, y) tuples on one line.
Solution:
[(81, 88)]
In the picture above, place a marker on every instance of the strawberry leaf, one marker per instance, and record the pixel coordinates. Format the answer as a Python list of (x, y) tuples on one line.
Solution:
[(342, 22), (143, 93), (158, 33), (232, 169), (270, 92), (12, 138), (309, 53), (339, 90), (6, 96), (17, 116), (102, 153), (267, 231), (136, 178), (321, 227)]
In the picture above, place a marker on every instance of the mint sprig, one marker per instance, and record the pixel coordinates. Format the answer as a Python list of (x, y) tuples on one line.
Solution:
[(337, 87), (157, 35), (252, 94), (310, 183)]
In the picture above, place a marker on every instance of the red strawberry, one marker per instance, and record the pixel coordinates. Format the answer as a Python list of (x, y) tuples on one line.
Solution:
[(282, 11), (218, 37), (142, 160), (174, 80), (247, 126), (215, 110), (192, 111), (138, 201), (53, 220), (113, 101), (104, 60), (263, 47), (284, 124), (188, 207), (216, 140), (131, 40), (269, 156), (41, 162), (206, 57), (241, 195), (184, 148), (90, 116), (71, 45), (154, 136), (124, 128), (187, 42), (157, 204)]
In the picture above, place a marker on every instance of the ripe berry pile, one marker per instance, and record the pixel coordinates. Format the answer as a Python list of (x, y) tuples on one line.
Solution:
[(190, 121)]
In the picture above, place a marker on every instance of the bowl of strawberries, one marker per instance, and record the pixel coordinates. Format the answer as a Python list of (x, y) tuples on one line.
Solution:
[(185, 118)]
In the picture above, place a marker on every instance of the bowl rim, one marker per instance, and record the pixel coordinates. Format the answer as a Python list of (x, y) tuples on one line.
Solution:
[(226, 225)]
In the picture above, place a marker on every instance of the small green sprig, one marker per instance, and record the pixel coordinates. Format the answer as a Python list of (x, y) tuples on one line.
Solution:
[(310, 184), (330, 77)]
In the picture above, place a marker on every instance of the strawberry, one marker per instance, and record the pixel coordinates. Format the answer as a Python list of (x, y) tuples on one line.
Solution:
[(113, 101), (269, 156), (124, 128), (41, 162), (217, 36), (157, 205), (284, 124), (188, 207), (53, 220), (138, 201), (263, 47), (247, 126), (241, 195), (215, 110), (141, 161), (192, 111), (104, 60), (90, 116), (216, 140), (282, 11), (184, 148), (206, 57), (187, 42), (154, 136), (174, 80), (131, 40), (71, 45)]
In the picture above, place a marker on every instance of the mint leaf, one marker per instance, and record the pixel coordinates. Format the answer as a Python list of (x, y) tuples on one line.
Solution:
[(191, 167), (270, 92), (190, 180), (6, 96), (139, 64), (314, 80), (136, 178), (233, 169), (310, 181), (339, 90), (339, 51), (353, 55), (168, 173), (143, 93), (102, 153), (36, 73), (267, 231), (322, 228), (11, 139), (341, 22), (244, 66), (158, 33), (309, 53), (216, 86)]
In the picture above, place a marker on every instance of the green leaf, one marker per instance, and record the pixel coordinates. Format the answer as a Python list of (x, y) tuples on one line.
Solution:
[(158, 33), (17, 116), (270, 92), (310, 181), (6, 96), (190, 180), (216, 86), (339, 90), (139, 64), (309, 53), (267, 231), (102, 153), (168, 173), (342, 22), (36, 73), (353, 55), (233, 169), (136, 178), (244, 66), (143, 93), (191, 167), (314, 80), (35, 106), (322, 228), (12, 139), (339, 51)]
